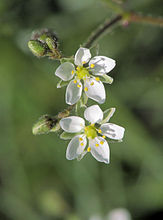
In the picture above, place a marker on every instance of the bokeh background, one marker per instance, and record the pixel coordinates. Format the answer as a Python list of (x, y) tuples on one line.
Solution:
[(36, 180)]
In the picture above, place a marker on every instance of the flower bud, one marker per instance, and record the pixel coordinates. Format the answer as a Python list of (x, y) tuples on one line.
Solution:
[(45, 125), (37, 48), (53, 47), (45, 43)]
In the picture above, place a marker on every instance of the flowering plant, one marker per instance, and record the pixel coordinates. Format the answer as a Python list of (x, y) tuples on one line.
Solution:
[(84, 77)]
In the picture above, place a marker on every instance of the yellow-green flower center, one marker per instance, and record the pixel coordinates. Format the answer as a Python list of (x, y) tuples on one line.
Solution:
[(90, 131), (82, 72)]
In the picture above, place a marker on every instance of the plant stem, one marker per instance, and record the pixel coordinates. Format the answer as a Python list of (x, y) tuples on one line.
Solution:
[(100, 30), (133, 17)]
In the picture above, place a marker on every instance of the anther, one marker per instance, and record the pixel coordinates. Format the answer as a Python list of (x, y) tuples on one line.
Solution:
[(72, 72), (92, 83), (82, 144), (83, 62), (101, 142), (85, 89), (80, 139), (88, 149), (104, 136), (92, 65), (78, 68), (99, 131), (78, 86), (97, 78), (97, 145), (75, 81)]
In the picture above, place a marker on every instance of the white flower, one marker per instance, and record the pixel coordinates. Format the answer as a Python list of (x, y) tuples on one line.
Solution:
[(94, 133), (89, 74)]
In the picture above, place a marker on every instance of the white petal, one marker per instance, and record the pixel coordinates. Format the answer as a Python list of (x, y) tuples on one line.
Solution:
[(93, 114), (95, 91), (112, 131), (102, 64), (64, 71), (73, 92), (102, 152), (76, 147), (82, 55), (72, 124)]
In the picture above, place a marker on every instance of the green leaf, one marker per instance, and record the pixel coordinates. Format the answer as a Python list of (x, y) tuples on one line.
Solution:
[(107, 115), (67, 136), (106, 79), (61, 84)]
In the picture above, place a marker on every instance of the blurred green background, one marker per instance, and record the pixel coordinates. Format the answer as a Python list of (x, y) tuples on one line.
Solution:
[(36, 180)]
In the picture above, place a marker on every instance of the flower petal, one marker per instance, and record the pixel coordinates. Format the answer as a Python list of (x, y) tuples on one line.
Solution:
[(95, 90), (72, 124), (93, 114), (64, 71), (112, 131), (82, 56), (73, 92), (102, 64), (100, 149), (76, 147)]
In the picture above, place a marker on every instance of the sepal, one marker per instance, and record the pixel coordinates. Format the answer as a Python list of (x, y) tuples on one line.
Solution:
[(68, 136), (107, 115), (62, 83), (106, 79)]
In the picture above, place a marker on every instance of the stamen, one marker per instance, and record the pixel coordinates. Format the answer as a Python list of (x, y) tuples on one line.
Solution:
[(92, 65), (99, 131), (72, 72), (80, 139), (78, 86), (101, 142), (97, 79), (97, 145), (92, 83), (75, 81), (104, 136), (82, 144), (86, 89), (88, 149)]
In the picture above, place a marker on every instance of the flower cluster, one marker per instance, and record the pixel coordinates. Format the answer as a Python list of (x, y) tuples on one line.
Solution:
[(85, 75)]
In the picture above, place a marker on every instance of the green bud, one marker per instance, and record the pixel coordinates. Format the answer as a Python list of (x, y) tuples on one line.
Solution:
[(45, 125), (52, 45), (37, 48)]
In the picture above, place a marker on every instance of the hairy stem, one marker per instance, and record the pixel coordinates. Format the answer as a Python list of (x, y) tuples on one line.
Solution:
[(100, 30)]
